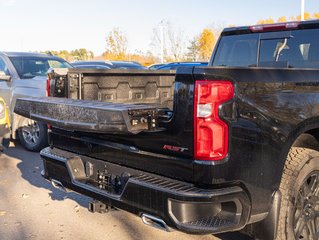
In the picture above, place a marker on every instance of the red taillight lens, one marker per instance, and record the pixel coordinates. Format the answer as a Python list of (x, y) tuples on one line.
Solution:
[(210, 132), (48, 89)]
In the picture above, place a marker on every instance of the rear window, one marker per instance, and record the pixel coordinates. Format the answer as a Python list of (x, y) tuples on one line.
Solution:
[(237, 51), (299, 50)]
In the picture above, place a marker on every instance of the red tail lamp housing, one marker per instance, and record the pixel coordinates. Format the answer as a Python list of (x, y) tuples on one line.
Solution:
[(48, 87), (210, 132), (48, 90)]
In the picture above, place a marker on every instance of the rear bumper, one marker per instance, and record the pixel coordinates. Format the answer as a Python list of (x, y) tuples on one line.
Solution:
[(180, 205)]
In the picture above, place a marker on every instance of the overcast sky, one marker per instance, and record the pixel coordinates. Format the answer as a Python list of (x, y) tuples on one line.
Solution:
[(31, 25)]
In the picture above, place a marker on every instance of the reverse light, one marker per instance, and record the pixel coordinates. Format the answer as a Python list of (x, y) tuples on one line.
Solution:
[(275, 27), (210, 132)]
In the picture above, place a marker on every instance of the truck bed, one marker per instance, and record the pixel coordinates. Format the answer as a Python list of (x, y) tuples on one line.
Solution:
[(117, 86)]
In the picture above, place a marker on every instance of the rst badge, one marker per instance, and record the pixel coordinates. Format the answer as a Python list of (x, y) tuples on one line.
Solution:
[(174, 148)]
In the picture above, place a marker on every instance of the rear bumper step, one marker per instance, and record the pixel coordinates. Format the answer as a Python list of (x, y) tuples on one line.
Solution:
[(89, 116), (178, 204)]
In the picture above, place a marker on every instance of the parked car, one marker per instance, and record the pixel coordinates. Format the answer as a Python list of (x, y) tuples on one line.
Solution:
[(228, 147), (4, 125), (108, 65), (156, 66), (176, 65), (25, 75)]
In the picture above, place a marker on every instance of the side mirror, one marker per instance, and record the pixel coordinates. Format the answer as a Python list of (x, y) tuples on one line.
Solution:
[(4, 76)]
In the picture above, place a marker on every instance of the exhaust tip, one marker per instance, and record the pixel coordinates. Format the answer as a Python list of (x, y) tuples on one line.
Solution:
[(155, 222)]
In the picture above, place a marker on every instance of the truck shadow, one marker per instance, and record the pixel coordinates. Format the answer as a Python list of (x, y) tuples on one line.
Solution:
[(233, 236), (31, 167)]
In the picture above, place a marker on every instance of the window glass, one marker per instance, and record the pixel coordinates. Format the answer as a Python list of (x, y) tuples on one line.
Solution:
[(30, 67), (273, 52), (57, 64), (301, 50), (237, 51), (3, 67)]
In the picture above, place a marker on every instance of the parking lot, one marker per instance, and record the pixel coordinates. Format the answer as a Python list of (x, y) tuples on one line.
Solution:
[(30, 208)]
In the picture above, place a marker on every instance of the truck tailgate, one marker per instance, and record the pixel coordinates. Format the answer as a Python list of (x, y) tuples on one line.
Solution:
[(120, 129), (89, 116)]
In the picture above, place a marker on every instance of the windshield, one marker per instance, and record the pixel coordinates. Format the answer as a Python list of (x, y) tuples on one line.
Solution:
[(30, 67)]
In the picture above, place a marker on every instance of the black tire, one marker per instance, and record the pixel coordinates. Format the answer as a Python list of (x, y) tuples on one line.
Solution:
[(40, 143), (299, 211)]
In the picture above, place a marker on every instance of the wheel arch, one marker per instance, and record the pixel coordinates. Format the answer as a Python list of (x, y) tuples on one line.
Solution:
[(305, 135)]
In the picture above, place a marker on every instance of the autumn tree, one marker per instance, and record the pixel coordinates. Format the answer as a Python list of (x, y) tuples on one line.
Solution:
[(82, 54), (206, 42), (282, 19), (145, 59), (266, 21), (74, 55), (65, 55), (116, 45), (62, 54), (307, 16)]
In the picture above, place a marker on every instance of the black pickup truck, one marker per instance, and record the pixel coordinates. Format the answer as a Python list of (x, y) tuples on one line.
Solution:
[(204, 150)]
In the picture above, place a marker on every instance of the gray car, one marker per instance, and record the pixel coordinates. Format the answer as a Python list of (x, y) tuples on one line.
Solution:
[(24, 75)]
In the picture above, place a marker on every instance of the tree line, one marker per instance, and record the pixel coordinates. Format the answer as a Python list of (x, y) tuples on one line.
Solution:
[(74, 55), (168, 44)]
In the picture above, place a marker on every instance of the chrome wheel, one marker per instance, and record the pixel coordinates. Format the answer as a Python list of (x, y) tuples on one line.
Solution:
[(306, 211), (31, 132)]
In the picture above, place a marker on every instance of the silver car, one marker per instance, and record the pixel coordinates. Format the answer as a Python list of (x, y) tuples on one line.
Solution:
[(25, 75)]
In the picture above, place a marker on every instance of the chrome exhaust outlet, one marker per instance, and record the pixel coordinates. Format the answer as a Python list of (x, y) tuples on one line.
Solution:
[(58, 185), (155, 222)]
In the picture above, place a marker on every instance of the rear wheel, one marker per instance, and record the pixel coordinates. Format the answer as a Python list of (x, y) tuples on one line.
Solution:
[(33, 135), (299, 211)]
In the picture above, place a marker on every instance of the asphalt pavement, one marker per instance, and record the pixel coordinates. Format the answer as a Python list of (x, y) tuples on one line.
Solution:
[(30, 208)]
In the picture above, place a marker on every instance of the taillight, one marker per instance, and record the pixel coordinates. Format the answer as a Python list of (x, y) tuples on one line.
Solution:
[(48, 88), (210, 132), (275, 27)]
